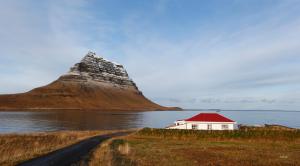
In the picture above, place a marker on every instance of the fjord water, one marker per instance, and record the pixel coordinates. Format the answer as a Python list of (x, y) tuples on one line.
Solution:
[(36, 121)]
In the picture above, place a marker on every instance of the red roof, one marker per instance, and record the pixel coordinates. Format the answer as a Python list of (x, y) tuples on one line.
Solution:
[(209, 117)]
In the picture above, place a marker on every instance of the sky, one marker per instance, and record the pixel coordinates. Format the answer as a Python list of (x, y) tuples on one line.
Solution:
[(207, 54)]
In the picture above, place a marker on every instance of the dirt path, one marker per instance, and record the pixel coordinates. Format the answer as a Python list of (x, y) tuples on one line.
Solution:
[(70, 154)]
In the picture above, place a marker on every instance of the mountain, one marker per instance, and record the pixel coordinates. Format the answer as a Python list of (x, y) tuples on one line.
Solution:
[(93, 83)]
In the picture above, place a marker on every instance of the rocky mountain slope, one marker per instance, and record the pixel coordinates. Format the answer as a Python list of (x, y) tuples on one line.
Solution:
[(93, 83)]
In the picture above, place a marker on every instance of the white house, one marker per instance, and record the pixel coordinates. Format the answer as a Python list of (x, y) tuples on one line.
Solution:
[(204, 121)]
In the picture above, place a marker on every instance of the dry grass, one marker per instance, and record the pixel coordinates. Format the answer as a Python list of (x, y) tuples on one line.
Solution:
[(15, 148), (111, 153), (154, 148), (102, 155)]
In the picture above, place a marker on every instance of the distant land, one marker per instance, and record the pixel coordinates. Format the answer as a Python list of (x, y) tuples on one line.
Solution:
[(94, 83)]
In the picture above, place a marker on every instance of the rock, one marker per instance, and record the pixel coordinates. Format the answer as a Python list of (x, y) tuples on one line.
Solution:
[(93, 68)]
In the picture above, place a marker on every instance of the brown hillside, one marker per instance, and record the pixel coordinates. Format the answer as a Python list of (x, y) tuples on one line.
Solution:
[(78, 95)]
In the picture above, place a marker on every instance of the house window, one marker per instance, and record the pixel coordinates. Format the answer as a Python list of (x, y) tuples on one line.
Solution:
[(225, 127), (209, 127), (194, 126)]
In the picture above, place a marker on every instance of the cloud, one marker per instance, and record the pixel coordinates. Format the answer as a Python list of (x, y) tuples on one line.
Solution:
[(205, 58), (259, 61), (34, 38)]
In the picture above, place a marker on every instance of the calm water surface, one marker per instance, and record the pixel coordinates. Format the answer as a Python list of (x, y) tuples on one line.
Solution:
[(11, 122)]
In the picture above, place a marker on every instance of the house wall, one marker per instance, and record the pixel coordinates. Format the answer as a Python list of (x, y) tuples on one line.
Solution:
[(214, 126), (182, 126), (204, 125)]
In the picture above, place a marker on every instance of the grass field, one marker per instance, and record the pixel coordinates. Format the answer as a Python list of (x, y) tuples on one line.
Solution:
[(15, 148), (188, 147), (249, 146)]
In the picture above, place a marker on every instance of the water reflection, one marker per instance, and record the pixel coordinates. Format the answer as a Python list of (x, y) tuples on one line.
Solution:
[(97, 120)]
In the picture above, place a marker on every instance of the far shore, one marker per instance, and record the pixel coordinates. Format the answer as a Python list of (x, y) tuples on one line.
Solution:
[(89, 109), (132, 110)]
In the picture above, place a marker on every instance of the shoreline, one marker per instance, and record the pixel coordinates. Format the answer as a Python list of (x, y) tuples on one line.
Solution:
[(240, 127)]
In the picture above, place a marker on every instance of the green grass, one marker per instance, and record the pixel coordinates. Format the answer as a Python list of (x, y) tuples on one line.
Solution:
[(289, 135)]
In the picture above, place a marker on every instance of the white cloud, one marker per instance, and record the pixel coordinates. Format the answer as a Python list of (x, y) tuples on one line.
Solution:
[(35, 50), (253, 65)]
